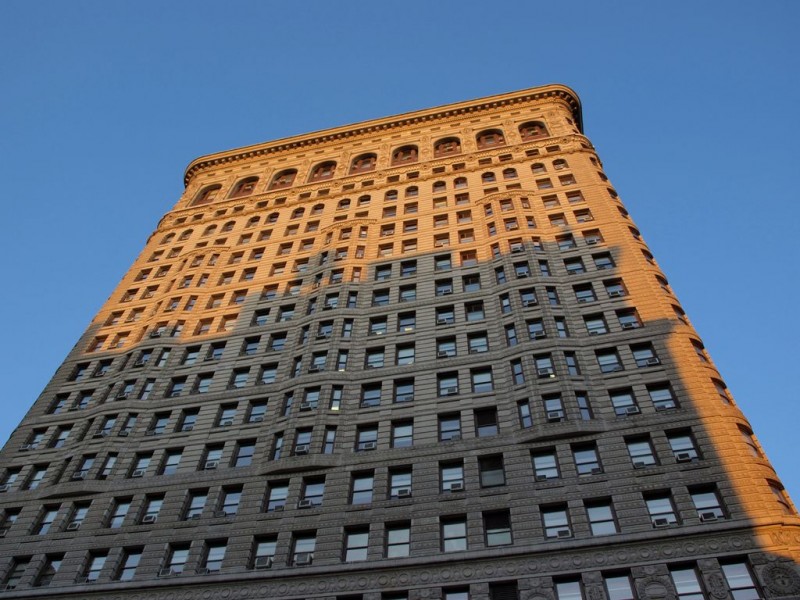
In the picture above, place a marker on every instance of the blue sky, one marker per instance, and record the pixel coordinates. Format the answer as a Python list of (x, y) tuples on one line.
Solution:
[(690, 104)]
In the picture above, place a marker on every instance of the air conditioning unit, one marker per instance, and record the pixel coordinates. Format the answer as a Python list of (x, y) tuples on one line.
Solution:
[(138, 473), (616, 294), (517, 250), (453, 438), (80, 579), (408, 329), (150, 432), (539, 335), (194, 517), (74, 526), (658, 523), (98, 374), (632, 410), (4, 488), (592, 241), (584, 300), (555, 415), (630, 325), (369, 445), (219, 514), (277, 508), (444, 321), (202, 571), (256, 419), (187, 427), (564, 533), (124, 433), (652, 362), (522, 275), (168, 572), (314, 369), (3, 532), (73, 408), (262, 562), (323, 336), (449, 391), (149, 519), (211, 465), (122, 396), (404, 493), (303, 558), (476, 350), (306, 406), (174, 393), (301, 449), (328, 307), (446, 292), (208, 359), (26, 447), (404, 398), (100, 434), (79, 475), (708, 517), (528, 303), (442, 354), (542, 478), (155, 334), (457, 486), (305, 504), (544, 373), (11, 586), (596, 471), (684, 457), (226, 422), (639, 464)]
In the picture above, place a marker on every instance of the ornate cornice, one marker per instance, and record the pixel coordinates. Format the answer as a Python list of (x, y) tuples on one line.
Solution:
[(336, 134)]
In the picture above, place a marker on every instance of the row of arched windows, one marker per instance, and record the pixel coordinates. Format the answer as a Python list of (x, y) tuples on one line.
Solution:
[(364, 163)]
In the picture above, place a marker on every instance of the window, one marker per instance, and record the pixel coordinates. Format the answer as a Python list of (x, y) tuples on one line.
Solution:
[(445, 315), (452, 476), (584, 293), (214, 555), (177, 556), (313, 491), (556, 522), (195, 504), (303, 545), (243, 456), (624, 402), (405, 354), (573, 368), (740, 581), (402, 434), (449, 427), (603, 261), (595, 324), (517, 373), (329, 442), (276, 495), (49, 570), (474, 311), (361, 488), (264, 552), (661, 509), (587, 462), (370, 394), (708, 503), (406, 322), (94, 566), (172, 459), (600, 514), (453, 533), (78, 515), (447, 383), (687, 583), (683, 446), (511, 335), (608, 360), (553, 408), (486, 421), (398, 540), (35, 478), (545, 465), (641, 452), (662, 397), (491, 469), (481, 380), (497, 528), (356, 543), (128, 564), (152, 507), (628, 319)]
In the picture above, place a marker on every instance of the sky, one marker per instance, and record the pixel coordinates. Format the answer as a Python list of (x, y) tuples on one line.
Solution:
[(689, 104)]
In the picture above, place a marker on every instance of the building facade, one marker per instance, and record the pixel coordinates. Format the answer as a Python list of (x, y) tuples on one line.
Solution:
[(425, 356)]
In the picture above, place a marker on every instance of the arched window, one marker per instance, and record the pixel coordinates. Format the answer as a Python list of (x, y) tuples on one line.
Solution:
[(185, 235), (272, 218), (560, 164), (412, 191), (390, 196), (509, 173), (439, 187), (209, 230), (323, 171), (317, 209), (488, 177), (283, 179), (207, 195), (245, 187), (460, 182), (167, 238), (344, 204), (490, 138), (447, 147), (533, 130), (363, 163), (229, 226), (537, 168), (298, 212), (405, 155)]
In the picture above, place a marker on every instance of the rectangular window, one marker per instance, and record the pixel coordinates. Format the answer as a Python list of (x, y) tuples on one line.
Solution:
[(398, 540), (740, 581), (491, 470), (362, 488), (661, 509), (687, 583), (497, 528), (454, 534), (556, 522), (356, 544), (600, 514)]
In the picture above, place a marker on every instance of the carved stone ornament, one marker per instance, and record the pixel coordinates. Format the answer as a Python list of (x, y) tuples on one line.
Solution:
[(716, 586), (655, 588), (596, 593), (781, 580)]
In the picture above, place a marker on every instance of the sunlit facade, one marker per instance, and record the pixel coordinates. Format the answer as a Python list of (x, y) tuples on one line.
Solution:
[(426, 356)]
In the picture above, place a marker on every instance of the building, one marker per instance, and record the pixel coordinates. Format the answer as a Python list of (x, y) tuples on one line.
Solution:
[(420, 357)]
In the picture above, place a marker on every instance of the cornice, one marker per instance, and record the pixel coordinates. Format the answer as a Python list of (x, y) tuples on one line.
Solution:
[(557, 91)]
